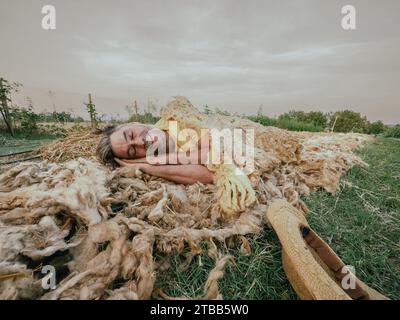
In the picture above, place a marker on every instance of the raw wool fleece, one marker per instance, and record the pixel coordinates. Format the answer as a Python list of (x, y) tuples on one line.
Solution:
[(297, 161), (47, 209), (112, 225), (234, 189)]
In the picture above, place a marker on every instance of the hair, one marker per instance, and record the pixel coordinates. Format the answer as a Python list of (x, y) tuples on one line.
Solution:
[(103, 150)]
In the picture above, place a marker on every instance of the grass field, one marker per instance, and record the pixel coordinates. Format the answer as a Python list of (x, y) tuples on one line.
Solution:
[(20, 143), (48, 131), (361, 223)]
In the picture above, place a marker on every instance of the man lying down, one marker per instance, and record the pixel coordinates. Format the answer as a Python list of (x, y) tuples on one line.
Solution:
[(178, 148), (147, 148)]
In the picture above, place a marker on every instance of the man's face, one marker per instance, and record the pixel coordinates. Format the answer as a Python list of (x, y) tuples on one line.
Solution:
[(130, 141)]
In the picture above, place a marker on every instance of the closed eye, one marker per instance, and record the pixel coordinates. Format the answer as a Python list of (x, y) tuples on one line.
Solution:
[(131, 152)]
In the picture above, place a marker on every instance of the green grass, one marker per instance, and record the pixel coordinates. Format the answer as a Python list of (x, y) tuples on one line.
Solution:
[(22, 142), (361, 223), (22, 135)]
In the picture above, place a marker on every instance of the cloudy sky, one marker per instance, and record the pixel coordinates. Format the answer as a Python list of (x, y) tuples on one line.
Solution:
[(236, 55)]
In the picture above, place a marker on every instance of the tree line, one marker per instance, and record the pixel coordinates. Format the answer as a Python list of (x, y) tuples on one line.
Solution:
[(16, 118), (316, 121), (26, 119)]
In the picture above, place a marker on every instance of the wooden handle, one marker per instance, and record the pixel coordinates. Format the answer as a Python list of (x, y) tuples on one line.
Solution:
[(312, 267)]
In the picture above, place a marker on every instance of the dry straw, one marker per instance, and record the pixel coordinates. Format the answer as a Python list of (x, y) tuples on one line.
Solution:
[(73, 146)]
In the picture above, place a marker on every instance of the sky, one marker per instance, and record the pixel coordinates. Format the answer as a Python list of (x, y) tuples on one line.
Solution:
[(235, 55)]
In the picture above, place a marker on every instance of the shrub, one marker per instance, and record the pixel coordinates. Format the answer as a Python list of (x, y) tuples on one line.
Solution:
[(393, 132), (376, 128), (25, 119), (207, 110), (317, 118), (264, 120), (348, 121)]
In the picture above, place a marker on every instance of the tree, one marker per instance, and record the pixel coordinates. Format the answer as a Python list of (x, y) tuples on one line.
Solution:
[(376, 127), (25, 118), (55, 114), (151, 107), (132, 111), (348, 121), (260, 111), (393, 132), (6, 88), (317, 118), (91, 109), (206, 110)]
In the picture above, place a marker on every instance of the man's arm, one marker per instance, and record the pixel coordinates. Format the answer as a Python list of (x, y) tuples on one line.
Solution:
[(184, 174), (194, 156)]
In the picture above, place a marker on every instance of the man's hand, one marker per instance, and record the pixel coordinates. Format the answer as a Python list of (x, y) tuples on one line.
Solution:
[(185, 174), (131, 163), (154, 160), (130, 170)]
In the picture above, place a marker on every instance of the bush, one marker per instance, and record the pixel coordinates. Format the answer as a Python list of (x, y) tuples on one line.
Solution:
[(25, 118), (28, 120), (393, 132), (264, 120), (317, 118), (295, 125), (58, 117), (207, 110), (348, 121), (376, 128)]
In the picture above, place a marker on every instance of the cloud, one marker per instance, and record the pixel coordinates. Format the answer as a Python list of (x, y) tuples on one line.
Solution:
[(235, 55)]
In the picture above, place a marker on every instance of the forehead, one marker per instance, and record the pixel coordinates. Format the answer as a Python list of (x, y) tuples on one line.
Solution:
[(117, 140), (117, 137), (117, 132), (131, 126), (122, 127)]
